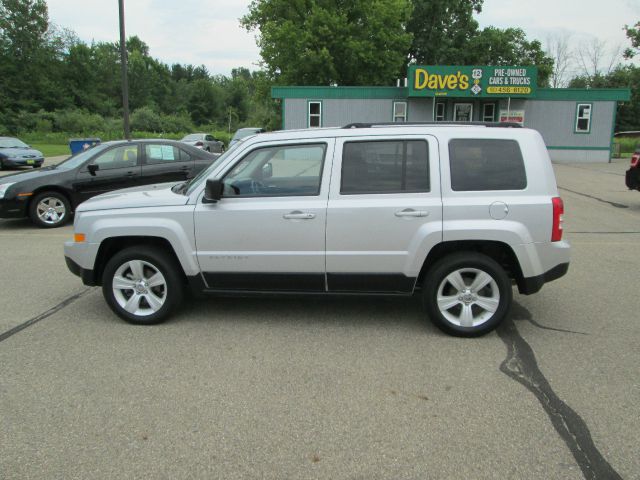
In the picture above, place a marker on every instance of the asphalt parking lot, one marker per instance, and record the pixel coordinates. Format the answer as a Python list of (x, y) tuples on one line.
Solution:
[(329, 388)]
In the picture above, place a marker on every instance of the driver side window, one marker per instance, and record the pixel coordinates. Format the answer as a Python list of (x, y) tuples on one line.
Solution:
[(288, 170), (119, 157)]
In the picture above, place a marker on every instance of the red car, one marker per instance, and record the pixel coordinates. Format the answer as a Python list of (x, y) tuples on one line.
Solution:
[(632, 178)]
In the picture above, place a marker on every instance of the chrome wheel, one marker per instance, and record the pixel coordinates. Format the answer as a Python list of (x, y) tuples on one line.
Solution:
[(468, 297), (139, 288), (51, 210)]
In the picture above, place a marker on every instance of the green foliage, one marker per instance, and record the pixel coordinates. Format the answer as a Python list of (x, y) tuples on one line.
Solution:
[(442, 30), (320, 42), (628, 145), (633, 34)]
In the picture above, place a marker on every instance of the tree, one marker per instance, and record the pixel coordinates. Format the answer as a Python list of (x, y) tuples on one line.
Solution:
[(559, 50), (633, 34), (596, 59), (445, 33), (324, 42), (509, 46), (442, 30)]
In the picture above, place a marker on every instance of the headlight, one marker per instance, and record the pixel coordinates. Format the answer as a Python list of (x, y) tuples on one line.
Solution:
[(4, 187)]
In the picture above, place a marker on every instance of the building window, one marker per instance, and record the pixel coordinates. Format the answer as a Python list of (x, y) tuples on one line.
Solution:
[(387, 166), (489, 112), (315, 114), (583, 118), (440, 111), (463, 112), (399, 111)]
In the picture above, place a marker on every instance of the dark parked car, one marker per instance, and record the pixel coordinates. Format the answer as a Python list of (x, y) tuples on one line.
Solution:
[(245, 132), (50, 195), (632, 178), (16, 153), (204, 141)]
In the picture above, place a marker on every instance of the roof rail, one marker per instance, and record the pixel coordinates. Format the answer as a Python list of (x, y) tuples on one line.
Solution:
[(443, 124)]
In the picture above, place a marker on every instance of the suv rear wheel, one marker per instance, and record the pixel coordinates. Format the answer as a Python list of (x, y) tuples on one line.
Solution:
[(142, 285), (467, 294)]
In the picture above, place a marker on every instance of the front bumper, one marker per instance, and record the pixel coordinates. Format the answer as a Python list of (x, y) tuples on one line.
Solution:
[(87, 276), (22, 162), (13, 207), (632, 179)]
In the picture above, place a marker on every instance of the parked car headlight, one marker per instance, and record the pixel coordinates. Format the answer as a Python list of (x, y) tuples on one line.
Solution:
[(4, 187)]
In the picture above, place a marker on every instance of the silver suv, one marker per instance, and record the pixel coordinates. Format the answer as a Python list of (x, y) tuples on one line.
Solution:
[(457, 213)]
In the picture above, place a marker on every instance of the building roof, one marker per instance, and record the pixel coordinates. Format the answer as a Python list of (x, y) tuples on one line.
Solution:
[(320, 92)]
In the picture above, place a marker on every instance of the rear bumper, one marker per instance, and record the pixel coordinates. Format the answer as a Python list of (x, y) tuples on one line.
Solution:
[(530, 285), (632, 179)]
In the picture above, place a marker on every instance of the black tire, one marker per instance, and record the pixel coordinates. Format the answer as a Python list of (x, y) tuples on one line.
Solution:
[(37, 165), (208, 149), (2, 166), (469, 263), (172, 293), (56, 197)]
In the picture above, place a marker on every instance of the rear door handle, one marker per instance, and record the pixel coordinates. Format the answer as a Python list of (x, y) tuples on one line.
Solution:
[(298, 215), (410, 212)]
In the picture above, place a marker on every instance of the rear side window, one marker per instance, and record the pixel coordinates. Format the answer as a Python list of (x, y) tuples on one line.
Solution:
[(485, 164), (385, 167)]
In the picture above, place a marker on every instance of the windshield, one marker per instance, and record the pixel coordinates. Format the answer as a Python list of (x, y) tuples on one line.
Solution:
[(79, 158), (195, 181), (245, 132), (194, 136), (12, 143)]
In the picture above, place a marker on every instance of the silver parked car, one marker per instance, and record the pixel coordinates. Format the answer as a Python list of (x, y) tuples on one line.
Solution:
[(452, 213), (204, 141)]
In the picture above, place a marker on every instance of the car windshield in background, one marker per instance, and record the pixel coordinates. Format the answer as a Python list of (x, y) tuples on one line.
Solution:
[(80, 158), (195, 136), (242, 133), (12, 143)]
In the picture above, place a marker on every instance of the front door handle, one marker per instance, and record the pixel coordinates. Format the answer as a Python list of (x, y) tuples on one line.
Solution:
[(298, 215), (410, 212)]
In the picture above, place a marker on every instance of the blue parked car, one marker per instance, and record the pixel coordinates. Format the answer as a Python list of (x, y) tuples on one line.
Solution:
[(16, 153)]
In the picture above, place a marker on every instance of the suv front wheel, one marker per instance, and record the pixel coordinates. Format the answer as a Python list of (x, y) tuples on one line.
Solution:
[(142, 285), (467, 294)]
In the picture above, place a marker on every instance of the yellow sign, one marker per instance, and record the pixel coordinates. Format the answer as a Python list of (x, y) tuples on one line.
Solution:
[(509, 90), (434, 81)]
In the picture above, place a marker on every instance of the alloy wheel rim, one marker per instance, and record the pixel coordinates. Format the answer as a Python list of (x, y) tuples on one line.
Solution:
[(139, 288), (51, 210), (468, 297)]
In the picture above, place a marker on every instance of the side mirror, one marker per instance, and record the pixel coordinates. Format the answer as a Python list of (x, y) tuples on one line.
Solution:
[(93, 168), (213, 190), (267, 171)]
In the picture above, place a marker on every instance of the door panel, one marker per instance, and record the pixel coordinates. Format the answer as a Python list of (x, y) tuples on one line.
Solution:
[(261, 235), (375, 241), (118, 168)]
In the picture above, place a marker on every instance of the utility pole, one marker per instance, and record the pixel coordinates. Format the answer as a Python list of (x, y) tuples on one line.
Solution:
[(125, 81)]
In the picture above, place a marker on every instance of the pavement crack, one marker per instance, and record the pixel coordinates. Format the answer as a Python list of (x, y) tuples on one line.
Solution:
[(521, 365), (66, 302), (614, 204)]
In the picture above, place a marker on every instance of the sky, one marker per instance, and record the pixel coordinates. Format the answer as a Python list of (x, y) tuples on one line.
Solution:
[(208, 31)]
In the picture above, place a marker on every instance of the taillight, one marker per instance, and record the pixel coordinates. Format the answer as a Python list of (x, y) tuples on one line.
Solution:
[(199, 144), (635, 159), (558, 212)]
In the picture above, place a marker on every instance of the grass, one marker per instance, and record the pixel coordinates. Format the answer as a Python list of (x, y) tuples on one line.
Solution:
[(50, 150)]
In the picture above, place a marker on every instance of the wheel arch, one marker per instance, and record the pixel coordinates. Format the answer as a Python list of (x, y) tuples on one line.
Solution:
[(51, 188), (111, 246), (501, 252)]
